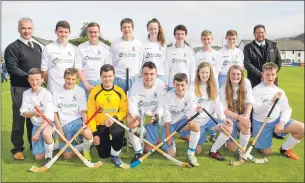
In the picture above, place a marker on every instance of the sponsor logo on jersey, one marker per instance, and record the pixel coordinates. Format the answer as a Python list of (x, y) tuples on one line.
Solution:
[(124, 54), (141, 103), (55, 60), (153, 55), (201, 100), (61, 105), (225, 62), (178, 60), (266, 100), (92, 58), (108, 110), (175, 113)]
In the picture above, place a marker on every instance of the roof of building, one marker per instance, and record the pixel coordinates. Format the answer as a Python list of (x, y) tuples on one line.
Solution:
[(42, 41)]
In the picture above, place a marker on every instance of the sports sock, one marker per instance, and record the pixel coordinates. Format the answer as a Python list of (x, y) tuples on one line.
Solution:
[(244, 140), (221, 139), (194, 138), (114, 152), (49, 149), (87, 144), (290, 142), (80, 147), (135, 141)]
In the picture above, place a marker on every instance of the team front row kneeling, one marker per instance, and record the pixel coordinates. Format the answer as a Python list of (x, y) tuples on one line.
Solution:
[(157, 109)]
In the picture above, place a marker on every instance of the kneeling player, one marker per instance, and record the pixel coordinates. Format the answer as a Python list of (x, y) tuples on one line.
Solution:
[(42, 140), (145, 95), (71, 113), (179, 106), (108, 136), (279, 121)]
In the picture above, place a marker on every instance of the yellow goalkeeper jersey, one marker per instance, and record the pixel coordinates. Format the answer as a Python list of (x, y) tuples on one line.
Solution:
[(113, 102)]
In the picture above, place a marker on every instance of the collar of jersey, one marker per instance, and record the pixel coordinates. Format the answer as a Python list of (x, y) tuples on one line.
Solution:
[(107, 89)]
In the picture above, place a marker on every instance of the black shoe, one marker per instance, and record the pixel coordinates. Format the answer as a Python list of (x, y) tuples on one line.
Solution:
[(277, 136), (136, 157), (212, 138), (116, 160)]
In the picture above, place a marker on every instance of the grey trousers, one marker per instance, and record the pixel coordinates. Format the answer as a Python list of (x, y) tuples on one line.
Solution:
[(18, 121)]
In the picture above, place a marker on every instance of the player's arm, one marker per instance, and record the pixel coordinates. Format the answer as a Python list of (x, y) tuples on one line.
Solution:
[(91, 108), (11, 61)]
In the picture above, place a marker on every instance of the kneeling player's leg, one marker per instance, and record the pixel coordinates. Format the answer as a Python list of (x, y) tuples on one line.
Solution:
[(38, 146), (194, 129), (117, 137), (264, 142), (169, 146), (230, 145), (48, 141), (69, 130), (152, 135), (104, 147), (296, 130), (220, 141), (88, 139), (135, 141)]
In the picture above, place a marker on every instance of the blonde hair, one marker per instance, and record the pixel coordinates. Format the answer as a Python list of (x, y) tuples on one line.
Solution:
[(211, 88), (241, 92), (231, 33), (270, 65), (206, 33)]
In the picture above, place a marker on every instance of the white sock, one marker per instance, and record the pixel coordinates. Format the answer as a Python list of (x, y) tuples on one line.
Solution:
[(80, 147), (114, 152), (87, 144), (244, 140), (290, 142), (135, 141), (194, 138), (49, 149), (221, 139)]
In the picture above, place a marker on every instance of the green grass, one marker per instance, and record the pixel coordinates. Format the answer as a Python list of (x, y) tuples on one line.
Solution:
[(158, 169)]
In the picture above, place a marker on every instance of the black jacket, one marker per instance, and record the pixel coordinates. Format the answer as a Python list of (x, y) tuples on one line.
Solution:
[(254, 59)]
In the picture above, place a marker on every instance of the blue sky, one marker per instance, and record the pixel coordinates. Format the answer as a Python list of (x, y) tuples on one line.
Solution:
[(281, 18)]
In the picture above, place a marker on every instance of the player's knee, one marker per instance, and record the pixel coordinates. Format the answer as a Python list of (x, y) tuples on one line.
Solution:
[(301, 130), (68, 155), (87, 134), (245, 131), (198, 150), (39, 157), (47, 133), (229, 129), (267, 152), (195, 126)]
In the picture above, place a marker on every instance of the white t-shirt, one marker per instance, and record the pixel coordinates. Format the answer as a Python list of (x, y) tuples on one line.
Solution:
[(146, 99), (127, 54), (249, 96), (43, 99), (179, 60), (231, 57), (55, 60), (214, 107), (263, 102), (213, 57), (69, 104), (154, 52), (176, 108), (93, 58)]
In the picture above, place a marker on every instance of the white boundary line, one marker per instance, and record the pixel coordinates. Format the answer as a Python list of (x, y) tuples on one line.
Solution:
[(5, 93)]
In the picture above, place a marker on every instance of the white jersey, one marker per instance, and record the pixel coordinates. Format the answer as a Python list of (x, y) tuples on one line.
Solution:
[(214, 107), (213, 57), (42, 99), (127, 54), (146, 99), (231, 57), (248, 100), (69, 104), (55, 60), (263, 102), (179, 60), (154, 52), (93, 58), (176, 108)]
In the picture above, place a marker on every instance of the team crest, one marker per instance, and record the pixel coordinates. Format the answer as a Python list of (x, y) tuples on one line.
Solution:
[(155, 95), (40, 104), (99, 52), (74, 98), (69, 54), (133, 49)]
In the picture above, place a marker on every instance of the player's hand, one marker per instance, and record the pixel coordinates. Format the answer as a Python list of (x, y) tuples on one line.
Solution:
[(279, 127), (198, 109), (89, 87), (153, 118), (96, 140), (276, 96), (138, 118), (35, 138), (244, 121), (36, 114), (108, 122), (227, 122)]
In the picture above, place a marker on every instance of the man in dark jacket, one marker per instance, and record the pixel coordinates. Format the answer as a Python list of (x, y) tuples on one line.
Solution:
[(20, 56), (256, 54)]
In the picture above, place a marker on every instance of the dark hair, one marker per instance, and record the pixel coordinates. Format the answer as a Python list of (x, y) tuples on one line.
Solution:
[(231, 33), (93, 24), (107, 68), (149, 65), (127, 20), (180, 27), (34, 71), (160, 31), (180, 77), (71, 71), (258, 26), (63, 24)]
